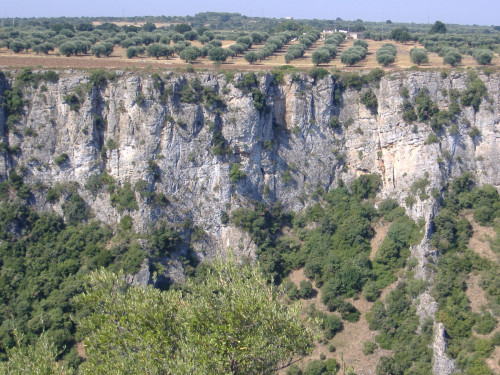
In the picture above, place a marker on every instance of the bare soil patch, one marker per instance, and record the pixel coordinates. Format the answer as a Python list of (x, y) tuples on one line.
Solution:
[(380, 233), (80, 349), (493, 361), (480, 240), (475, 293)]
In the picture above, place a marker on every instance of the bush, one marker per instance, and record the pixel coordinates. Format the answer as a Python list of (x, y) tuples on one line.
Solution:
[(334, 123), (419, 56), (259, 100), (432, 138), (126, 222), (475, 92), (315, 367), (73, 101), (290, 289), (331, 366), (294, 370), (371, 291), (61, 159), (318, 73), (220, 146), (369, 347), (369, 99), (124, 198), (485, 324), (331, 325), (366, 185), (96, 182), (306, 290), (98, 78), (75, 209), (235, 173)]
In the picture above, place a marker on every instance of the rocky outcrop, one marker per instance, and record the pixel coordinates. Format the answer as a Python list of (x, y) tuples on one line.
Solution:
[(442, 364)]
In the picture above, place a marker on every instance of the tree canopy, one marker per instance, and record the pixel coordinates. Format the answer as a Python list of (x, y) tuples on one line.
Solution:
[(438, 28), (232, 322)]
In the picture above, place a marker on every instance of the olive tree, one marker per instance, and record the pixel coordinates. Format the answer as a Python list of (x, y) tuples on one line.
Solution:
[(102, 49), (452, 57), (232, 322), (217, 54), (251, 57), (159, 50), (419, 56), (189, 54), (37, 358), (483, 56), (353, 55), (321, 56), (386, 54), (67, 48)]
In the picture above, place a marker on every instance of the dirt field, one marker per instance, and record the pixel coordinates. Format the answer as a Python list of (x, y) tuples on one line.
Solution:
[(118, 60)]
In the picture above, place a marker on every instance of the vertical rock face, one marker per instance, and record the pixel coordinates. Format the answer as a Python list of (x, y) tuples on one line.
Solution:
[(442, 364), (141, 128), (286, 151)]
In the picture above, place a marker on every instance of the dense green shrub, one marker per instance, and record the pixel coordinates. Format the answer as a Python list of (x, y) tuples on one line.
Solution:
[(294, 370), (73, 101), (219, 144), (331, 325), (369, 347), (61, 159), (75, 209), (96, 182), (451, 237), (397, 323), (318, 73), (259, 100), (315, 367), (369, 99), (424, 105), (366, 186), (235, 173), (475, 92), (485, 324), (123, 198), (306, 290)]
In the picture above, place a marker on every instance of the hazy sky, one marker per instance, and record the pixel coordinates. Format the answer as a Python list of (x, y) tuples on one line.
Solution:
[(481, 12)]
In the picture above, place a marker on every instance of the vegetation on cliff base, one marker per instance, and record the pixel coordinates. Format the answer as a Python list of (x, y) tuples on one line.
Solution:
[(464, 327), (231, 322)]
